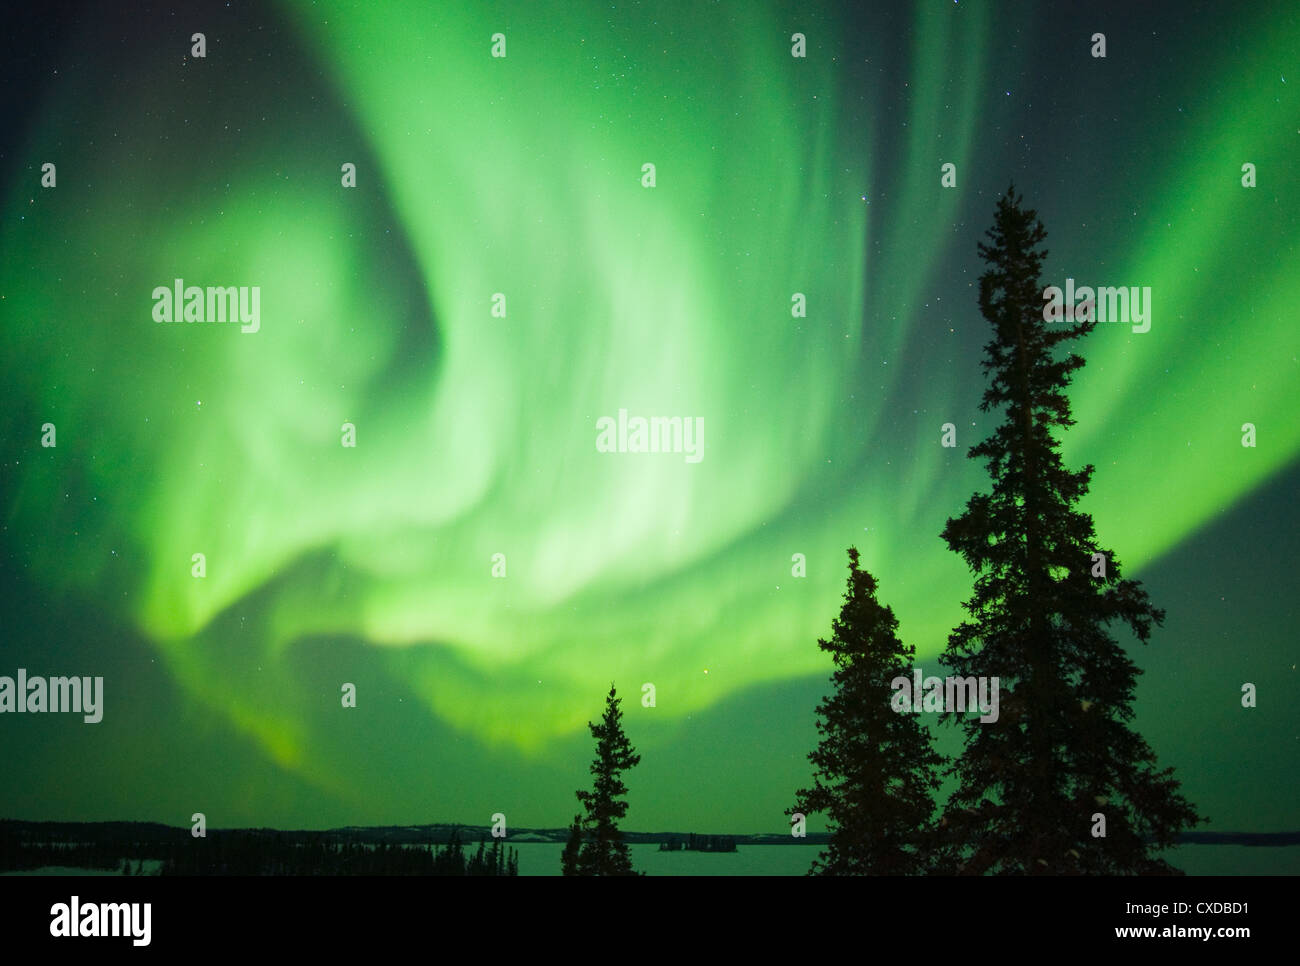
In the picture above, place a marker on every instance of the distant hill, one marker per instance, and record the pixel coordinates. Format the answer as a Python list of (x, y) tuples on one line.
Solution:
[(433, 834)]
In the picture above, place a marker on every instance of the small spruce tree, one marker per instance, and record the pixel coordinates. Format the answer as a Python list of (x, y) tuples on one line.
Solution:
[(572, 849), (603, 851)]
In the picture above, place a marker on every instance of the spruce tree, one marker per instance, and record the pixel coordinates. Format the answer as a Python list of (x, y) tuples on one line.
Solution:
[(604, 852), (572, 848), (875, 769), (1061, 751)]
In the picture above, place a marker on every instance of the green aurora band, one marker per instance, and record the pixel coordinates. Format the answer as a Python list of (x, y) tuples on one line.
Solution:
[(476, 434)]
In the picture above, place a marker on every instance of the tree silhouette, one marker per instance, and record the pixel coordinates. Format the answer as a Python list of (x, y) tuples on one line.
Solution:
[(875, 770), (603, 851), (1061, 751), (572, 848), (450, 859)]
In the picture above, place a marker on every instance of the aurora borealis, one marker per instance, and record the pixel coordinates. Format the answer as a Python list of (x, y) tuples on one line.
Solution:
[(476, 432)]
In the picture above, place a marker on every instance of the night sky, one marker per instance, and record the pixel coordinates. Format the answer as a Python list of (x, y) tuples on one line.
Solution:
[(476, 433)]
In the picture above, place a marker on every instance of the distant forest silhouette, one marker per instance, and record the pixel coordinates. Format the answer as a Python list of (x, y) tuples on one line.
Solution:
[(257, 852), (700, 843)]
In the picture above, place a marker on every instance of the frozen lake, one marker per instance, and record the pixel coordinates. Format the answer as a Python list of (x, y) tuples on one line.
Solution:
[(543, 858)]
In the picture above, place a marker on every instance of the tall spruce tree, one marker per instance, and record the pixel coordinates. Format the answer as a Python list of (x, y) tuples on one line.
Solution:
[(1036, 785), (604, 852), (875, 769)]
